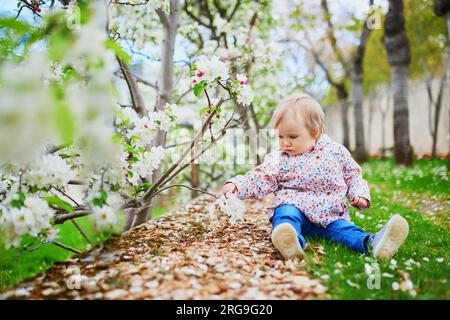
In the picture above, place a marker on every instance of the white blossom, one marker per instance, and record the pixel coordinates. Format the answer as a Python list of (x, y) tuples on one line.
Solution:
[(50, 170), (245, 95), (209, 69), (149, 161), (105, 217), (232, 206)]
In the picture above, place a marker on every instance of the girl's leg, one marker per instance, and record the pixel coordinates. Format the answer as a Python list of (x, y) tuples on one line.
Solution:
[(290, 214), (343, 232)]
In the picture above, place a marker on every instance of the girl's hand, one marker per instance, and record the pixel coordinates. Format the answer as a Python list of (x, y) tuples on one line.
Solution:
[(360, 203), (229, 187)]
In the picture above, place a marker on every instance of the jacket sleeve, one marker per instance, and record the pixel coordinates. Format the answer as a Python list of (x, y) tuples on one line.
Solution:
[(260, 181), (356, 185)]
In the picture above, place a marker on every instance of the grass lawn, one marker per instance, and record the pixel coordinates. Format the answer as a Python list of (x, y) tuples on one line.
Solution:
[(421, 195), (16, 266)]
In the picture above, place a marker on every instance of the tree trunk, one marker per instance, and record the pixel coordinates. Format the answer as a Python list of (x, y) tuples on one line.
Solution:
[(399, 58), (170, 25), (357, 93), (343, 106), (135, 95), (357, 97)]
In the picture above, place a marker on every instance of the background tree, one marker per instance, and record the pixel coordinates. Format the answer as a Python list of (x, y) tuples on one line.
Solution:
[(399, 57)]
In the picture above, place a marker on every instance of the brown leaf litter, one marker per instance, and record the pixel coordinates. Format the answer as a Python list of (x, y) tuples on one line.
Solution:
[(181, 255)]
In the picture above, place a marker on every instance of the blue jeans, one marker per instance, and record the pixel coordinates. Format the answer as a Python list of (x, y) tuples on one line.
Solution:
[(340, 231)]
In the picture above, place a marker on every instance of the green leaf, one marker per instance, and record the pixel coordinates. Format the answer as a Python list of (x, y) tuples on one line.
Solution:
[(203, 110), (133, 160), (57, 202), (129, 148), (118, 50), (143, 186), (100, 201), (199, 87), (18, 203)]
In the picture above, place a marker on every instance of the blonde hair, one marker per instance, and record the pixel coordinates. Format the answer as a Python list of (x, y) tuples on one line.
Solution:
[(301, 104)]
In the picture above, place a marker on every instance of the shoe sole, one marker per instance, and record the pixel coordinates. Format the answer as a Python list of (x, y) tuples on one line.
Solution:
[(284, 238), (396, 232)]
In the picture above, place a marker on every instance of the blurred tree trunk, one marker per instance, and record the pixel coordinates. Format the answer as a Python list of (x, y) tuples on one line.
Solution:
[(357, 93), (442, 9), (343, 106), (399, 57), (436, 106), (170, 24)]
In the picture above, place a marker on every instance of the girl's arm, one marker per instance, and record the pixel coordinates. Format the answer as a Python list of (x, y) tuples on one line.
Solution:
[(357, 186), (259, 182)]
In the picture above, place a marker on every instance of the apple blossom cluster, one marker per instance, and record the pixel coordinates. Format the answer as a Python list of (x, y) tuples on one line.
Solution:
[(65, 100), (210, 69), (144, 129), (49, 170), (148, 161), (29, 216), (245, 94), (137, 23)]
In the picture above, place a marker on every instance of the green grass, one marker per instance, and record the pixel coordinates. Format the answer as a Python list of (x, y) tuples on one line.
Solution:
[(427, 241), (16, 265)]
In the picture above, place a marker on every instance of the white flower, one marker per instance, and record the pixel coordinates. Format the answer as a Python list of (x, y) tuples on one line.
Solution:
[(395, 286), (114, 200), (209, 69), (439, 260), (49, 170), (23, 220), (359, 215), (3, 186), (162, 119), (145, 130), (232, 206), (241, 78), (52, 234), (245, 95), (105, 217), (127, 113), (149, 161), (55, 73)]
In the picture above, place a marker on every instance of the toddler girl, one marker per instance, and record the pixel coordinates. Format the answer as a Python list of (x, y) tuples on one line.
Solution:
[(311, 176)]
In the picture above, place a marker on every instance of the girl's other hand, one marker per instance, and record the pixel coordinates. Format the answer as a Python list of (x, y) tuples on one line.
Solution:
[(360, 203), (229, 187)]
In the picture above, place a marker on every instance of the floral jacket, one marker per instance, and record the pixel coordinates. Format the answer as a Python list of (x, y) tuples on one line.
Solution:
[(317, 181)]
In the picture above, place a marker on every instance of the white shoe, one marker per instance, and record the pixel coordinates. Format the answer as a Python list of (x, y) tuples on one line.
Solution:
[(284, 238), (387, 241)]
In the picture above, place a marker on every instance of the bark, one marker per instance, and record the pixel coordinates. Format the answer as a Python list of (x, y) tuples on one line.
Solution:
[(170, 24), (343, 106), (398, 51), (136, 98), (357, 95)]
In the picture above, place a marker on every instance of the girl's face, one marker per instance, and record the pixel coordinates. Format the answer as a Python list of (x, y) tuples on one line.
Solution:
[(293, 137)]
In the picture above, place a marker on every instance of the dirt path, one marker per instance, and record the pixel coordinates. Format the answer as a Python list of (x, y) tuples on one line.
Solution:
[(180, 256)]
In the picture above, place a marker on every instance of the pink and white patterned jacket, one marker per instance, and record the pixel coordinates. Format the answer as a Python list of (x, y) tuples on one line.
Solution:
[(317, 181)]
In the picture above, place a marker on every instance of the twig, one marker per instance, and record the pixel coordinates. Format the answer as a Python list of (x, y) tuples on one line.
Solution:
[(64, 246), (79, 213), (77, 225), (182, 185)]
